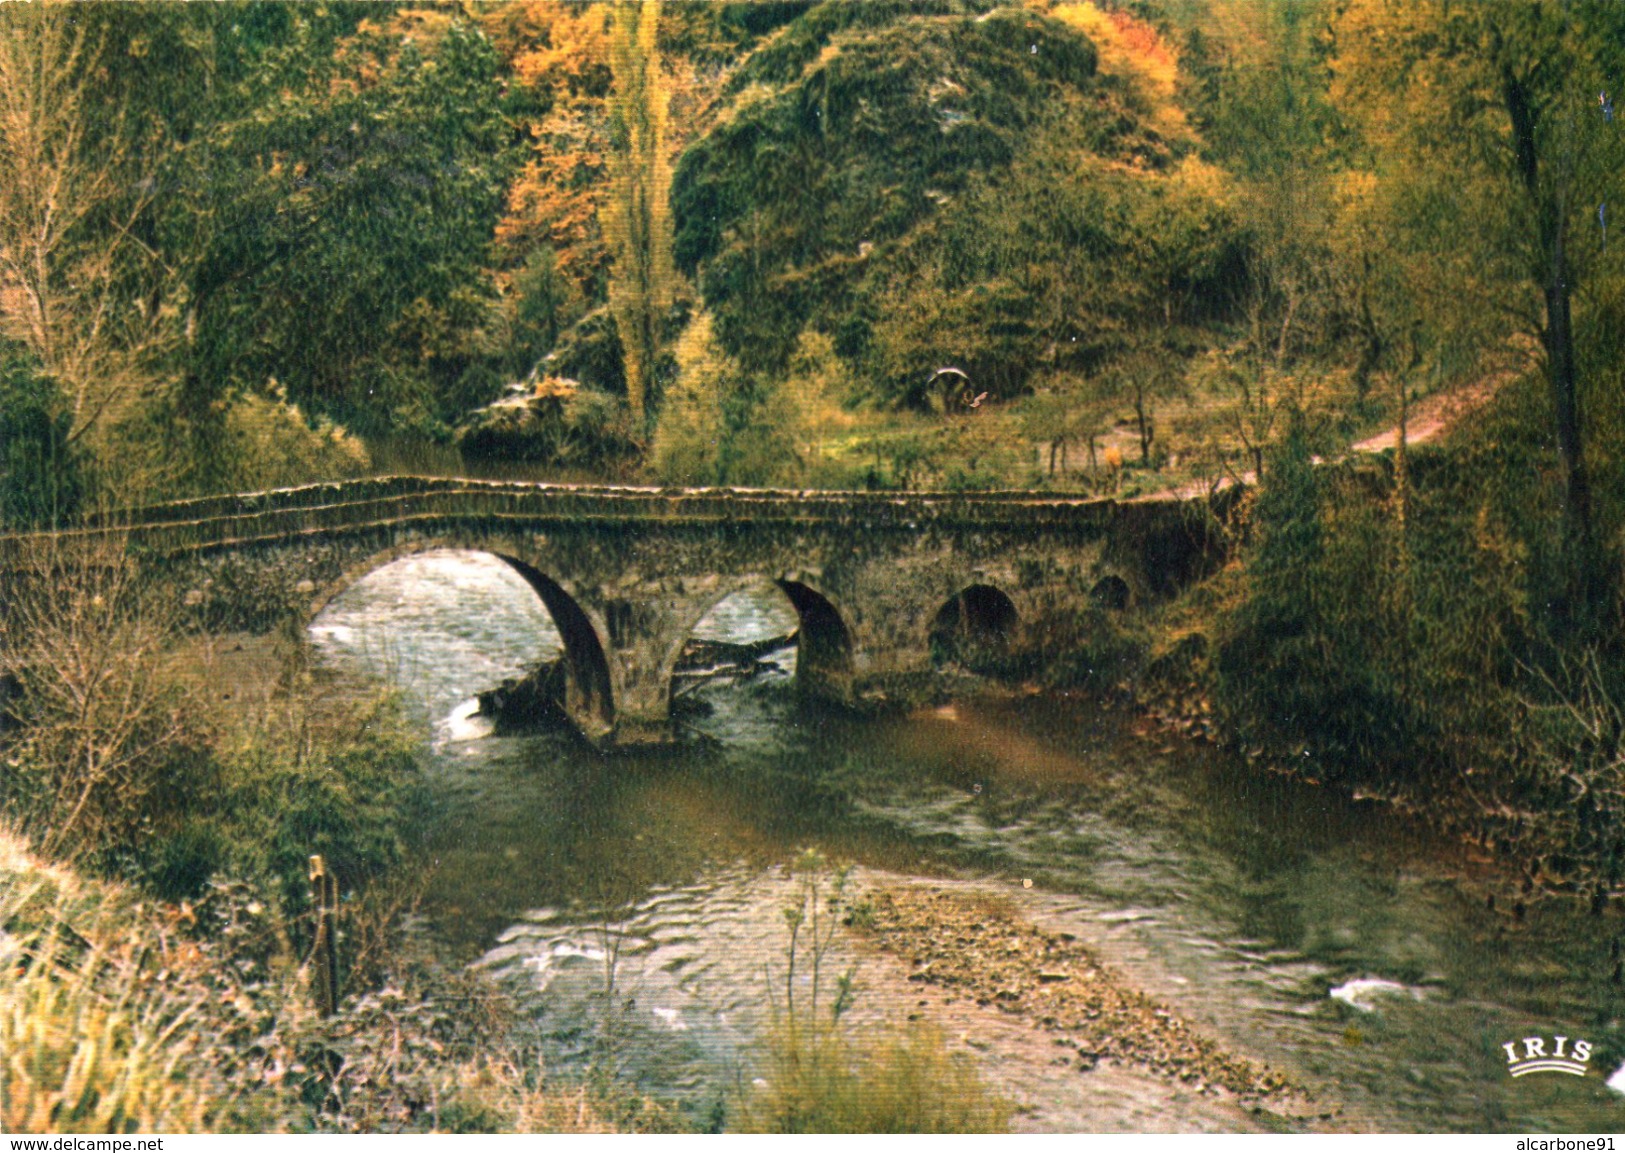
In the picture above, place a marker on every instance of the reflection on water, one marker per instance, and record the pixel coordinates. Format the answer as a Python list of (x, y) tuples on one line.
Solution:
[(1324, 937)]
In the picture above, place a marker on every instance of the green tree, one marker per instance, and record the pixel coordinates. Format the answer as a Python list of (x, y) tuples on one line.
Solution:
[(1298, 673), (545, 303), (326, 227), (1491, 113), (1146, 376), (1178, 251), (690, 429), (1263, 105), (1060, 411), (720, 424), (72, 194), (639, 214)]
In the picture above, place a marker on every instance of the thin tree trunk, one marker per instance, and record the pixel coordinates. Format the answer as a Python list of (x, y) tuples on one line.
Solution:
[(1562, 375), (1402, 482), (1145, 426)]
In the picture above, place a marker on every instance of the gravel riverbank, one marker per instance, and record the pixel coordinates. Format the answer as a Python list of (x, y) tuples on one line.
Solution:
[(1060, 1031)]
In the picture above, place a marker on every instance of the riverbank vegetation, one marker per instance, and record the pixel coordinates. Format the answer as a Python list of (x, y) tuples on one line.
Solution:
[(121, 1015), (1116, 247), (123, 752)]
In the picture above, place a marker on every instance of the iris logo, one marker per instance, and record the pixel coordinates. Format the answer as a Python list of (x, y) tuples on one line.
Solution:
[(1536, 1059)]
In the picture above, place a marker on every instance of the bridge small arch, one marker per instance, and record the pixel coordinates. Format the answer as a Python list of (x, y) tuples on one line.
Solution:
[(973, 629), (823, 642), (1111, 592)]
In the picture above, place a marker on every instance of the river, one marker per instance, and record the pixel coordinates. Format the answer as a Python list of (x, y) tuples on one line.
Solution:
[(639, 898)]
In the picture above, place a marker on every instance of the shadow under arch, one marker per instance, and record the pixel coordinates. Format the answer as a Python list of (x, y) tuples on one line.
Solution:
[(974, 629), (823, 645), (589, 694)]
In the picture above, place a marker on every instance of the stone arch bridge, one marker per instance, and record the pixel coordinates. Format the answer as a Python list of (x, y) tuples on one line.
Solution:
[(627, 573)]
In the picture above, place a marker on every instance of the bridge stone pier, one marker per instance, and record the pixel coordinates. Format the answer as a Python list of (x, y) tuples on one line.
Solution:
[(882, 582)]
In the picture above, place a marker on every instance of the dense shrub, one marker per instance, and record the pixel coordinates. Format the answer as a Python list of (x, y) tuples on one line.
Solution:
[(166, 449), (1097, 647), (120, 1017), (1386, 625), (111, 755), (1404, 628), (555, 421), (97, 725), (318, 775)]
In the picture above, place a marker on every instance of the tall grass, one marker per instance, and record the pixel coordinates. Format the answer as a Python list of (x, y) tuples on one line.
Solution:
[(819, 1075), (83, 1059), (819, 1079), (92, 1039), (119, 1015)]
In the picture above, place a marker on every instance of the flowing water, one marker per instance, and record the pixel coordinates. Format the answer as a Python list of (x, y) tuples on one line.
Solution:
[(636, 901)]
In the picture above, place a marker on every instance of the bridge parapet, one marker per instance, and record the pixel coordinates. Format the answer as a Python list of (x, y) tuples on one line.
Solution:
[(331, 505)]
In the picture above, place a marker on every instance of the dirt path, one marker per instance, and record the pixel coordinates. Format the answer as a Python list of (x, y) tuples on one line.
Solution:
[(1436, 415), (1429, 420)]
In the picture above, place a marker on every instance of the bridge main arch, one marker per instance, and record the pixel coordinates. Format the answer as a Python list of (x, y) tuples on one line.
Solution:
[(589, 677)]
